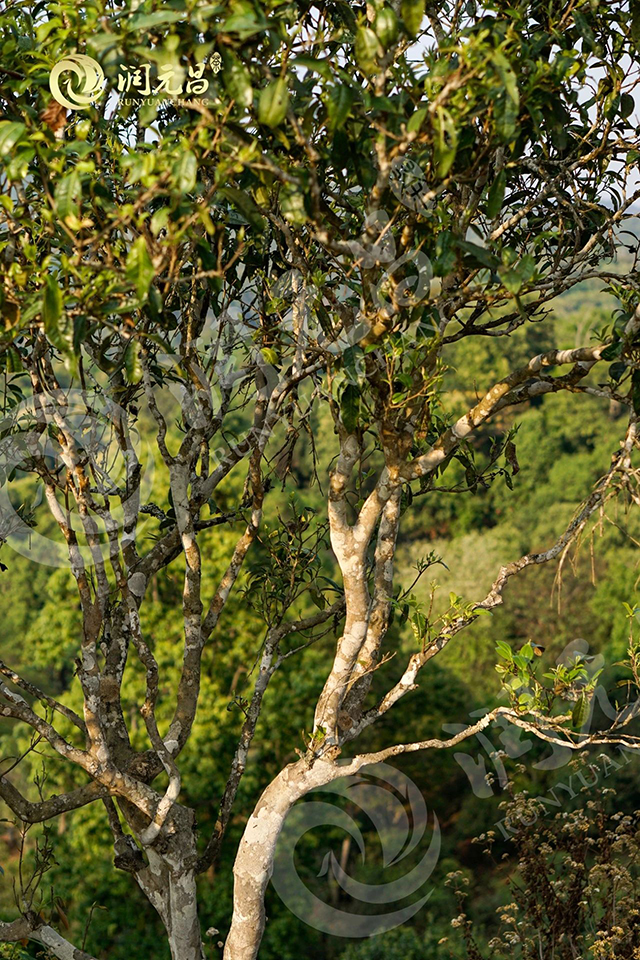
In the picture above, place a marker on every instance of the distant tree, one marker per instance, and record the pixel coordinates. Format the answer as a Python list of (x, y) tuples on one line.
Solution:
[(359, 188)]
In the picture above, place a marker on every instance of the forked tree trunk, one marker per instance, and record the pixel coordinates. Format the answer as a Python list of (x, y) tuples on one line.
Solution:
[(254, 861)]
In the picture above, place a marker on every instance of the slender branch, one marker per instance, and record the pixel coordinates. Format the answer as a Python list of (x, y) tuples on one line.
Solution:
[(572, 740), (53, 806), (267, 668), (31, 928), (34, 691), (620, 462), (493, 400)]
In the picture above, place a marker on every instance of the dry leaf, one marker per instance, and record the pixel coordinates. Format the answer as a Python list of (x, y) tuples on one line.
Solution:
[(54, 115)]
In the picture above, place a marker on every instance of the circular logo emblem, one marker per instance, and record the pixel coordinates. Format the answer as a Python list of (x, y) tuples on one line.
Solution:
[(81, 89), (94, 426), (395, 818)]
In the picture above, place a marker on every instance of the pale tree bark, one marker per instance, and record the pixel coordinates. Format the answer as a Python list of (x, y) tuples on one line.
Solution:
[(365, 627), (154, 835), (31, 927), (254, 860)]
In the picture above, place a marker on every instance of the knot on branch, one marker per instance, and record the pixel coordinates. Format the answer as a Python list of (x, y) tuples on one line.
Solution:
[(127, 855)]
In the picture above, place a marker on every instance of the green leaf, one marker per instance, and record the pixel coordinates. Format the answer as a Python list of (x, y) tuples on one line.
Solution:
[(635, 391), (635, 20), (350, 407), (144, 21), (386, 26), (496, 195), (367, 49), (10, 133), (244, 20), (611, 105), (627, 105), (445, 254), (412, 13), (446, 142), (184, 171), (318, 599), (273, 103), (237, 80), (483, 256), (617, 370), (139, 270), (52, 313), (417, 119), (156, 305), (506, 113), (132, 362), (353, 366), (504, 650), (245, 204), (580, 711), (584, 29), (269, 355), (66, 194), (159, 220), (511, 279), (507, 76), (292, 205), (612, 350), (320, 65), (13, 361), (339, 105), (32, 311), (511, 456), (526, 267)]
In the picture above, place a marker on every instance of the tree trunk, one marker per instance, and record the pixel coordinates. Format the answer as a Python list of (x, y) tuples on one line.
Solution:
[(169, 883), (171, 888), (254, 861), (184, 927)]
